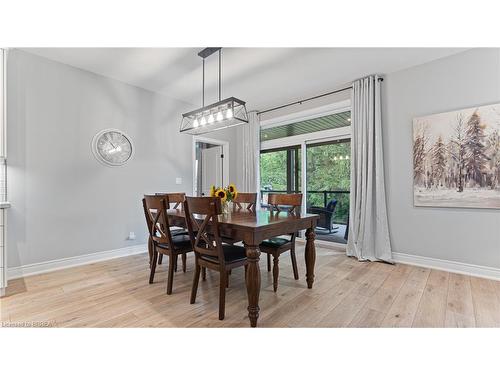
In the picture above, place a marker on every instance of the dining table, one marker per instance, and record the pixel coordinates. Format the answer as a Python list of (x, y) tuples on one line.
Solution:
[(252, 227)]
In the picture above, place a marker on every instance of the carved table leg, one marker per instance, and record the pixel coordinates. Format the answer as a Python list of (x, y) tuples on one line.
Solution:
[(310, 256), (253, 283)]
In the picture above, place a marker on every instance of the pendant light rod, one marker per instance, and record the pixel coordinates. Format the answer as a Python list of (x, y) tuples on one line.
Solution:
[(204, 53)]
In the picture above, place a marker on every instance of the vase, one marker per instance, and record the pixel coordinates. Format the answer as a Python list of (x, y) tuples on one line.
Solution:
[(226, 208)]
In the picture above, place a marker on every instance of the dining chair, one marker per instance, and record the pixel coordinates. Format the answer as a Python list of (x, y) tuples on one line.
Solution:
[(161, 239), (250, 199), (210, 251), (276, 246), (177, 199)]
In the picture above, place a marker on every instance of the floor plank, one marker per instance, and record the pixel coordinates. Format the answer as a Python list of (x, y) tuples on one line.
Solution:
[(432, 308), (459, 305), (486, 306)]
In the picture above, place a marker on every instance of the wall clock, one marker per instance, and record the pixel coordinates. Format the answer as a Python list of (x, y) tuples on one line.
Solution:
[(112, 147)]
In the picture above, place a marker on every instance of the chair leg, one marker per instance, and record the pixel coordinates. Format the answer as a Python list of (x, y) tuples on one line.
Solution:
[(222, 294), (150, 250), (171, 266), (196, 278), (203, 273), (227, 278), (184, 262), (276, 271), (175, 262), (268, 262), (294, 264), (153, 266), (160, 258)]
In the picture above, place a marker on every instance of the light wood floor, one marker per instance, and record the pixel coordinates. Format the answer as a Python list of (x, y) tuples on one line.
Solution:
[(346, 293)]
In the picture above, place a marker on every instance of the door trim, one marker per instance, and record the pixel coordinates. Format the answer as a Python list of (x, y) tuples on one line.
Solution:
[(225, 152)]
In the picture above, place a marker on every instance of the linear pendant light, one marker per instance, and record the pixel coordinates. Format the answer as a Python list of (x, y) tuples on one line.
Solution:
[(220, 115)]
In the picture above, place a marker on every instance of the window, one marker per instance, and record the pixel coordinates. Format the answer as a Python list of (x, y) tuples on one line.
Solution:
[(280, 171)]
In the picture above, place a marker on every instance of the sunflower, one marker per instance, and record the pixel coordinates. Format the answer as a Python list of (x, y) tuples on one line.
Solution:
[(232, 189), (221, 194), (212, 191)]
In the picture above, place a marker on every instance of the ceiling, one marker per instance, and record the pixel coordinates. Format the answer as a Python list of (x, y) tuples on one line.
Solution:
[(333, 121), (263, 77)]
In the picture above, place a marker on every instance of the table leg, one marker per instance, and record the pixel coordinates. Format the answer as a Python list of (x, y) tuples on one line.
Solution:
[(310, 256), (253, 283)]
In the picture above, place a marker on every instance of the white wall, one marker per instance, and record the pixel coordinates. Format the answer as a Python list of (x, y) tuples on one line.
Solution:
[(65, 203), (464, 80)]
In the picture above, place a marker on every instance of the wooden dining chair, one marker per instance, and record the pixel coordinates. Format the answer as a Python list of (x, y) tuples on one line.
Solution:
[(209, 250), (250, 199), (161, 239), (177, 199), (278, 245)]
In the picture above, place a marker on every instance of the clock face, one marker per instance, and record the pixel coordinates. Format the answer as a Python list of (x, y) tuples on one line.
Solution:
[(112, 147)]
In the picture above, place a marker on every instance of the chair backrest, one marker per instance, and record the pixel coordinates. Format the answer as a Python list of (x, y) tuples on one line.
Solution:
[(249, 198), (155, 210), (292, 201), (331, 205), (176, 198), (205, 235)]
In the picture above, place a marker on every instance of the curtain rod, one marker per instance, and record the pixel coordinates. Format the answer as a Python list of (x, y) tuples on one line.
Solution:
[(380, 79)]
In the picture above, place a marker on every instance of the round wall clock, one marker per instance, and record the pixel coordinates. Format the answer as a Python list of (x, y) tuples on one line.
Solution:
[(112, 147)]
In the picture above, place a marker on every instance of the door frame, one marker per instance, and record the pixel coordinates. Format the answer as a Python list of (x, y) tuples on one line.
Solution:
[(225, 163)]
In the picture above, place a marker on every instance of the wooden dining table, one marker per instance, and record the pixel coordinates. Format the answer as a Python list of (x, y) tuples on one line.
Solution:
[(252, 227)]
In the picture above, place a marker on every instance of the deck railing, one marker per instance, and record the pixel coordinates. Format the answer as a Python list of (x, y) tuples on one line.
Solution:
[(342, 196)]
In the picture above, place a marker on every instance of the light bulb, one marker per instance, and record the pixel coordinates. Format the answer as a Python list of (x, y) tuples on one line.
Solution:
[(347, 157), (229, 113), (219, 116), (211, 119), (195, 123), (335, 158), (203, 122), (341, 157), (349, 119)]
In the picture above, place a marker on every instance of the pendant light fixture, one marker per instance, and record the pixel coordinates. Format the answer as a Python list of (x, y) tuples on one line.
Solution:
[(220, 115)]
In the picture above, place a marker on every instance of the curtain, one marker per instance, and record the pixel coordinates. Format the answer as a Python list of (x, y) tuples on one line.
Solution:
[(251, 155), (368, 225)]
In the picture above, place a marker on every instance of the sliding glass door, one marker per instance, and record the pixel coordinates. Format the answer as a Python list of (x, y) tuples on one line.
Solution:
[(328, 182)]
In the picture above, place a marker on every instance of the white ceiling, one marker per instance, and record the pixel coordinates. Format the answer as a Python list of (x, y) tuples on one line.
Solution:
[(263, 77)]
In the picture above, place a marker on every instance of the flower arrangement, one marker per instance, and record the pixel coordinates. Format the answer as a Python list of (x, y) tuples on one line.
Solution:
[(226, 194)]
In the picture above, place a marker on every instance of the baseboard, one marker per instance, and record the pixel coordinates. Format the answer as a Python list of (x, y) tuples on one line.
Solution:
[(54, 265), (448, 265), (325, 244)]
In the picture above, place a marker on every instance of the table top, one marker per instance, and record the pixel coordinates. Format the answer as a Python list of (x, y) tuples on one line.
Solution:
[(254, 219)]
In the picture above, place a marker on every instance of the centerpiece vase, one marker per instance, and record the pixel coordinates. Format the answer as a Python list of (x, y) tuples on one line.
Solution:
[(226, 207)]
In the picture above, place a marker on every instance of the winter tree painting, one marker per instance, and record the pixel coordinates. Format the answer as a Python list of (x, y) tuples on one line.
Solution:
[(456, 158)]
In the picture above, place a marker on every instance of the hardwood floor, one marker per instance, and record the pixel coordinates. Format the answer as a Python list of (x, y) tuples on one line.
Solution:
[(346, 293)]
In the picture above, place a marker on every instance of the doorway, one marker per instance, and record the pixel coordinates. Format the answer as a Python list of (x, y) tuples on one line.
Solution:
[(210, 165)]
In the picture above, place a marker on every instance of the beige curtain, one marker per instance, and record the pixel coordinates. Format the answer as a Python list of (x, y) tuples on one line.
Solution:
[(251, 154), (368, 224)]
